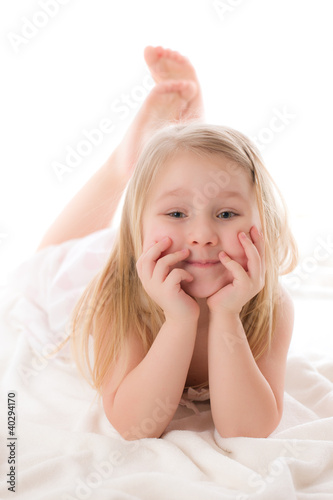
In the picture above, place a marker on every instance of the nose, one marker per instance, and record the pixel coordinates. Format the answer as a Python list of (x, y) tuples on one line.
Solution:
[(202, 233)]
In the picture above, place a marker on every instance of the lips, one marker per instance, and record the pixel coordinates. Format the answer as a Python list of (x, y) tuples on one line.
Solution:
[(203, 263)]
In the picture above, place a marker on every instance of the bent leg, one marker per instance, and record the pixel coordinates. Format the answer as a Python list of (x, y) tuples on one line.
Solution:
[(94, 206)]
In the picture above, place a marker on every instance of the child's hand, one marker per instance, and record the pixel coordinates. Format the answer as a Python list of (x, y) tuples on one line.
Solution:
[(163, 285), (245, 284)]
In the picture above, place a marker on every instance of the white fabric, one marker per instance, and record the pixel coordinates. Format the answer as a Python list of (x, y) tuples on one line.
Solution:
[(67, 449)]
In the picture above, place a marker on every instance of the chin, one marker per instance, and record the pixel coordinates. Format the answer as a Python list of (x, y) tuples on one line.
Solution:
[(201, 289)]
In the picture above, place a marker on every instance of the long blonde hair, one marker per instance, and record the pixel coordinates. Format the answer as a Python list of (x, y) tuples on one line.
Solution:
[(115, 302)]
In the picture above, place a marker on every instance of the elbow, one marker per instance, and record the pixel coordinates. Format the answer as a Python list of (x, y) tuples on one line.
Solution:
[(130, 435), (133, 431), (126, 434), (134, 423), (258, 429), (249, 433)]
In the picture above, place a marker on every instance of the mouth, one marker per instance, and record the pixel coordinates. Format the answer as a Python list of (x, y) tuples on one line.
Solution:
[(204, 264)]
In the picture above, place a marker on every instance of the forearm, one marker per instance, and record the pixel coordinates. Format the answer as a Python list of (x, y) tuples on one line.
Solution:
[(148, 397), (242, 401), (92, 208)]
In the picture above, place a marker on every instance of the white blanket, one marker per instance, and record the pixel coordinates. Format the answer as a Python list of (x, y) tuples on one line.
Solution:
[(66, 448)]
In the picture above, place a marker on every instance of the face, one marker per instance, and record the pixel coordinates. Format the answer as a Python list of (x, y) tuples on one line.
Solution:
[(202, 204)]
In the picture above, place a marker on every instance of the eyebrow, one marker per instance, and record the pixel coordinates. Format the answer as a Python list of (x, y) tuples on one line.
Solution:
[(176, 192), (185, 192)]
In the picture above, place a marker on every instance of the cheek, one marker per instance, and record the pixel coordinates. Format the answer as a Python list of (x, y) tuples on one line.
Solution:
[(155, 233), (235, 250), (151, 234)]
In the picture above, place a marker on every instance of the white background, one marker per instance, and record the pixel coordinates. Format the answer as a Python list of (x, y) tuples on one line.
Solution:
[(253, 57)]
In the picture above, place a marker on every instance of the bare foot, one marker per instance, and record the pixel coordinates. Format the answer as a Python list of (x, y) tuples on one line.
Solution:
[(166, 64), (166, 104)]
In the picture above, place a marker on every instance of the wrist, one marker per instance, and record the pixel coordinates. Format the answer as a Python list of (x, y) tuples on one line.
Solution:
[(223, 307), (229, 327), (226, 319), (185, 322)]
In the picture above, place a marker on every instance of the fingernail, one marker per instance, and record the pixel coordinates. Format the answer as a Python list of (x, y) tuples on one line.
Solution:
[(243, 235), (165, 238), (225, 257)]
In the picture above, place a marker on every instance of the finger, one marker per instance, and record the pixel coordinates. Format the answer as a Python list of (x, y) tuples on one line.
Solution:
[(258, 240), (147, 261), (234, 267), (252, 254), (140, 260), (177, 275), (162, 268)]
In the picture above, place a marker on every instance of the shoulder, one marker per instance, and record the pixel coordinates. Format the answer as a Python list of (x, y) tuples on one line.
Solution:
[(284, 323), (130, 355), (284, 313)]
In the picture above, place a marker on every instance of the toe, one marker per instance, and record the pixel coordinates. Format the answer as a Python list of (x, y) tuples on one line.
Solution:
[(176, 55), (150, 55)]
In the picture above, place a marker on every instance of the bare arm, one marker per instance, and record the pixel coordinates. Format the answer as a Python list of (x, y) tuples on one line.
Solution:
[(147, 398), (242, 402), (92, 208), (247, 396)]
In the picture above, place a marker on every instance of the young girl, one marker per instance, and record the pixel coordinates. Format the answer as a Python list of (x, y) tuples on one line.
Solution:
[(190, 295)]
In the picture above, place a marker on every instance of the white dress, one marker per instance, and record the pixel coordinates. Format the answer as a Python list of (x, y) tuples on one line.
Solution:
[(44, 289)]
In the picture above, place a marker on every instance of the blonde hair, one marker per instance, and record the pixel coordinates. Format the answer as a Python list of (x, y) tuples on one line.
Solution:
[(115, 302)]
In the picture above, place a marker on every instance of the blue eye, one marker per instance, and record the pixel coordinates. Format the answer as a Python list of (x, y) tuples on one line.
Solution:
[(177, 215), (226, 215)]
